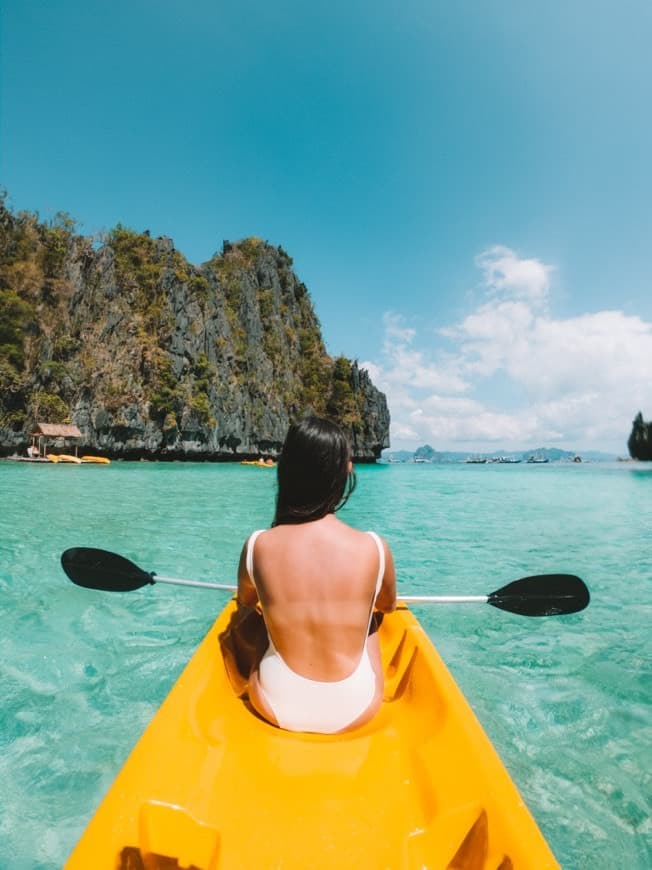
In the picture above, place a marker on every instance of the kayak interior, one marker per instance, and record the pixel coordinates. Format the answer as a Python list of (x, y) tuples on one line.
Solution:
[(211, 785)]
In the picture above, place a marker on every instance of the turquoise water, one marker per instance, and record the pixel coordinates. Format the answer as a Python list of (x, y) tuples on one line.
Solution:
[(566, 701)]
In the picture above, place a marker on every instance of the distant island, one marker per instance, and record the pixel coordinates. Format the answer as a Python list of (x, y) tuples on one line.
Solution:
[(536, 455), (151, 357)]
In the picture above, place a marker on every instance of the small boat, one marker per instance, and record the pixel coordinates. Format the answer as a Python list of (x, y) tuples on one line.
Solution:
[(97, 460), (267, 463), (211, 785)]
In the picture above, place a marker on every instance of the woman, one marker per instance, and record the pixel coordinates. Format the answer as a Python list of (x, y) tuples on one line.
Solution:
[(317, 581)]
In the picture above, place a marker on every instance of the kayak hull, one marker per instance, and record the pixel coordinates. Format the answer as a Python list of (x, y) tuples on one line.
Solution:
[(212, 786)]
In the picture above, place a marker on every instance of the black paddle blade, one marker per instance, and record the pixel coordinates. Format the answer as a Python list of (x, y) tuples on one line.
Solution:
[(100, 569), (542, 595)]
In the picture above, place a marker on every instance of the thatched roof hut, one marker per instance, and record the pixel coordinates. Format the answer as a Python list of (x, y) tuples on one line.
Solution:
[(56, 430), (44, 432)]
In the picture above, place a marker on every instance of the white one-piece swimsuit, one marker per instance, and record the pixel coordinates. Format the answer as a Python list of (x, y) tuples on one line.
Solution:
[(302, 704)]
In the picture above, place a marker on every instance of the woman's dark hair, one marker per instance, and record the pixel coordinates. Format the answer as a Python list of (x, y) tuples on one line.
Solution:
[(313, 472)]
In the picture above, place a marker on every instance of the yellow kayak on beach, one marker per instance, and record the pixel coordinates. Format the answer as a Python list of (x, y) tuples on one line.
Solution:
[(64, 457), (210, 785)]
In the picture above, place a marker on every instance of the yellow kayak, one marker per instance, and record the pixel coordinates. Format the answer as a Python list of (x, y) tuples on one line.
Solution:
[(210, 785), (96, 460), (63, 457)]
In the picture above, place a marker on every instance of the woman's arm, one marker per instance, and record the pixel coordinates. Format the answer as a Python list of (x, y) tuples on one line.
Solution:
[(247, 595), (386, 601)]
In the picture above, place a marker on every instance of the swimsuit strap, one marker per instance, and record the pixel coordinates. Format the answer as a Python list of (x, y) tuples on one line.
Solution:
[(379, 582), (381, 562), (250, 554)]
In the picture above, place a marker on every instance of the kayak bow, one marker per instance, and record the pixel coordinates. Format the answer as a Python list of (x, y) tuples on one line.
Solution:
[(210, 785)]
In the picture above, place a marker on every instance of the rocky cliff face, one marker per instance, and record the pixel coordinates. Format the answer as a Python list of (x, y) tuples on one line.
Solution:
[(640, 441), (153, 357)]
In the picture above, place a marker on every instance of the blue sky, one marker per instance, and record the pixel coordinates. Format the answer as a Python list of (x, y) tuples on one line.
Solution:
[(464, 187)]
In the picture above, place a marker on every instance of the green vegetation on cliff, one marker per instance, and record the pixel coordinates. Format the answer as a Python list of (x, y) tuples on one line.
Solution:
[(34, 291), (151, 355)]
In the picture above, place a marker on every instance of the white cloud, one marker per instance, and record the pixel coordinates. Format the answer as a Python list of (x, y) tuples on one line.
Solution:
[(505, 272), (404, 366), (579, 381), (395, 330)]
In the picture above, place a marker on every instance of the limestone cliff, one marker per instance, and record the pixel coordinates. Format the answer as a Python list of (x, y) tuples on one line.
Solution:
[(640, 440), (153, 357)]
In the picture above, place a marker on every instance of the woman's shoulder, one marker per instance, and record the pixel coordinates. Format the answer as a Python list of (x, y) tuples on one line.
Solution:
[(365, 535), (252, 537), (361, 540), (329, 529)]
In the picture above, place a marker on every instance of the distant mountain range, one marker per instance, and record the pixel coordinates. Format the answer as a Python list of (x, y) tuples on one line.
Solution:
[(550, 454)]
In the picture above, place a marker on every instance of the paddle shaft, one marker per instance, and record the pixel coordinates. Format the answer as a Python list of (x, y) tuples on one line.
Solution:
[(407, 599), (175, 581), (404, 599), (443, 599)]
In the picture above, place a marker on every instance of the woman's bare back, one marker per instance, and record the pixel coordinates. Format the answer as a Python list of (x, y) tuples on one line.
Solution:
[(316, 582)]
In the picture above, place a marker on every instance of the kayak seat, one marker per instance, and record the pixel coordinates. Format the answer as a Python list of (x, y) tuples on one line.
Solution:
[(399, 653)]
